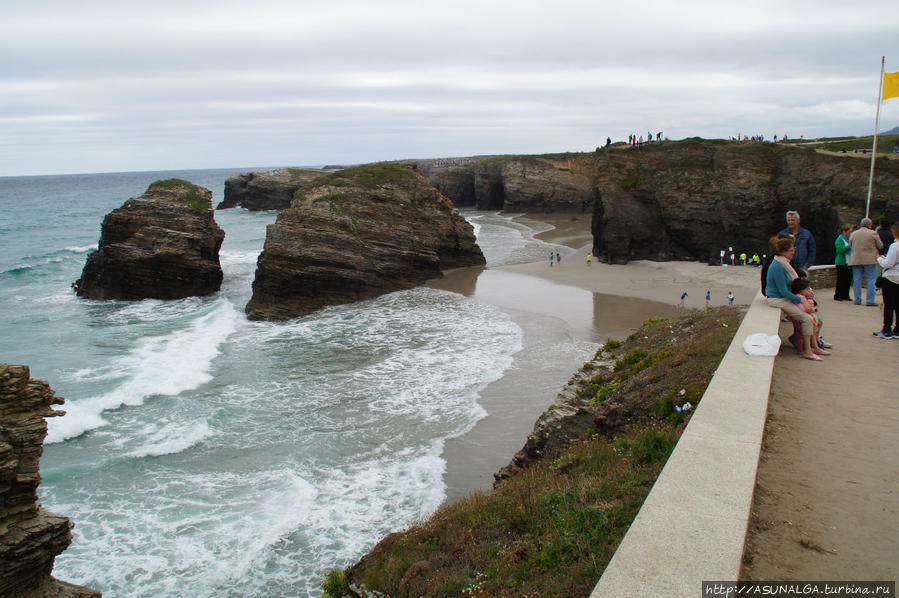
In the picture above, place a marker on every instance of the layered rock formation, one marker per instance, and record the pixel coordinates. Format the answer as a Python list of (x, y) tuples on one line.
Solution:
[(684, 200), (356, 234), (30, 537), (690, 199), (270, 190), (162, 245), (549, 183)]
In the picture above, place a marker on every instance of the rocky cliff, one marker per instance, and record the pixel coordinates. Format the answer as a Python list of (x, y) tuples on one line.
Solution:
[(30, 537), (684, 200), (270, 190), (356, 234), (690, 199), (162, 245), (549, 183)]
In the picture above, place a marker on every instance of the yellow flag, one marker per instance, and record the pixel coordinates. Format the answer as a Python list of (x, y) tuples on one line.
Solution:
[(890, 85)]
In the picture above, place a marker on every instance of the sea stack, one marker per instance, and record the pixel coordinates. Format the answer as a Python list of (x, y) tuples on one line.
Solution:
[(269, 190), (356, 234), (30, 537), (162, 245)]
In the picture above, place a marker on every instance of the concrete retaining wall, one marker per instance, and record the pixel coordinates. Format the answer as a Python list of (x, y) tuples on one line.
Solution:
[(692, 526)]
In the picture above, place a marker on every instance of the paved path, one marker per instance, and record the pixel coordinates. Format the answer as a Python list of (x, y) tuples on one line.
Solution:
[(826, 503)]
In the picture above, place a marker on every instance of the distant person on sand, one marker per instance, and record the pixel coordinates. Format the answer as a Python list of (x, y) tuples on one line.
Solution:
[(558, 258), (708, 298), (683, 297), (730, 297), (589, 258), (803, 241), (551, 256)]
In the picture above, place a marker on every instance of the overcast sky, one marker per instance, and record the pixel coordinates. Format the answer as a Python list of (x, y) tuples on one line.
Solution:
[(89, 86)]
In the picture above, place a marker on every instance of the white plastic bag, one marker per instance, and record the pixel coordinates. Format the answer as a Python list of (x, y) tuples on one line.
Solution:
[(762, 344)]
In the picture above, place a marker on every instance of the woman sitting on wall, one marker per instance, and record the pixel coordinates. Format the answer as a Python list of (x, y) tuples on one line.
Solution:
[(777, 288)]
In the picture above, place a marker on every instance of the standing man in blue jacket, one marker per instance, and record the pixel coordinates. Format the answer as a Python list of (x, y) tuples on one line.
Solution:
[(803, 241)]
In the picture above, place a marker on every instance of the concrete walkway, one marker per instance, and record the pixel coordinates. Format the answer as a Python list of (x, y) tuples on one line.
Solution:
[(827, 500), (827, 497)]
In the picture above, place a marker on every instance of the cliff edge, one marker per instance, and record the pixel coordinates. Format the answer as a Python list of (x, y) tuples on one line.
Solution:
[(30, 537)]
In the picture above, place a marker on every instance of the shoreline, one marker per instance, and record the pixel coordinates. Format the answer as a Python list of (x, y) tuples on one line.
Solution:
[(565, 312)]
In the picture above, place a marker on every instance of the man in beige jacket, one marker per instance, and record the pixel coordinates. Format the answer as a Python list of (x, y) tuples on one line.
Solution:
[(865, 244)]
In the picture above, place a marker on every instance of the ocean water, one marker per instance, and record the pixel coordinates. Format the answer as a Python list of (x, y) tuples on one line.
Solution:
[(206, 455)]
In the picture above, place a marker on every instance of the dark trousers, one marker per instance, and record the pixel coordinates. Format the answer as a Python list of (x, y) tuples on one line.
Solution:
[(890, 306), (844, 281)]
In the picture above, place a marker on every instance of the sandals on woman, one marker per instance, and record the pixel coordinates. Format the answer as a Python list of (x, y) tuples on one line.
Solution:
[(820, 352), (813, 357)]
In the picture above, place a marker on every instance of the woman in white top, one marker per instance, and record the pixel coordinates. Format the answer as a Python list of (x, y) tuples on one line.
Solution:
[(890, 288)]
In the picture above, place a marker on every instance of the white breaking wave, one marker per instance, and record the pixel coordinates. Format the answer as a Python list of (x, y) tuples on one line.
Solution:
[(162, 365), (172, 439)]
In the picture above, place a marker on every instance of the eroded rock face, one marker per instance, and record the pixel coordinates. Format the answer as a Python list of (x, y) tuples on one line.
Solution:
[(162, 245), (357, 234), (269, 190), (30, 537), (548, 183), (688, 200)]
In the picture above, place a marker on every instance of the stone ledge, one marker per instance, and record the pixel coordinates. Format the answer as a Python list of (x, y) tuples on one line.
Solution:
[(692, 525)]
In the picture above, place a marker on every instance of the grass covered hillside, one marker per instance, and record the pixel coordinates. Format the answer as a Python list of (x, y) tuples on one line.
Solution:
[(550, 527)]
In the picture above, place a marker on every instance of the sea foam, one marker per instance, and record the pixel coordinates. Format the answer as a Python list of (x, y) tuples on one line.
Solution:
[(160, 365)]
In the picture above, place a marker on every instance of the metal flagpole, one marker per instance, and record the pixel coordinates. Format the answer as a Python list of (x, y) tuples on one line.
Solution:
[(874, 147)]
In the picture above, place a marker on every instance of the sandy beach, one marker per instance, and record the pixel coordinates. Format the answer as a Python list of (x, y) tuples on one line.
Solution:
[(566, 311)]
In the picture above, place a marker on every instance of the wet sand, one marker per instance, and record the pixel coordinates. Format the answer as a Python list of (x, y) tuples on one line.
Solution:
[(566, 312)]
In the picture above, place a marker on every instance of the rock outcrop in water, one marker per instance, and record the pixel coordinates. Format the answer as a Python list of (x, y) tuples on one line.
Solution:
[(162, 245), (270, 190), (357, 234), (30, 537)]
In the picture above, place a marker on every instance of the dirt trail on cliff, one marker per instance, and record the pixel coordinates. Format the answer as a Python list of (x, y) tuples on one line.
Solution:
[(827, 493)]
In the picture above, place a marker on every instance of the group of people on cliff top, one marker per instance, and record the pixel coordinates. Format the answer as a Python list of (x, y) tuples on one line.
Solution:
[(858, 254), (634, 141)]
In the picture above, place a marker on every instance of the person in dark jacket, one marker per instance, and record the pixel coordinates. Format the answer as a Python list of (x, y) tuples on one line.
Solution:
[(803, 241), (883, 231)]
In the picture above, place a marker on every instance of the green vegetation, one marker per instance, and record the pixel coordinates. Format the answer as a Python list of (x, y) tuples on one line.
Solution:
[(885, 144), (370, 176), (550, 531), (191, 193), (336, 584), (551, 528)]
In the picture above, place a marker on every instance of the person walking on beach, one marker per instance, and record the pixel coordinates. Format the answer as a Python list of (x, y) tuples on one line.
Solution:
[(730, 297), (865, 245), (589, 259), (803, 241), (558, 258), (683, 296), (708, 299), (551, 256)]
